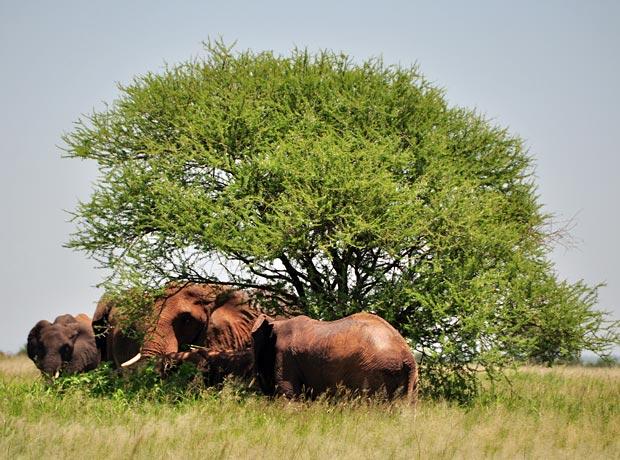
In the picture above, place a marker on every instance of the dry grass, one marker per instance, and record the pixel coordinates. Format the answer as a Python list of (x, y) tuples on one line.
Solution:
[(558, 413), (18, 367)]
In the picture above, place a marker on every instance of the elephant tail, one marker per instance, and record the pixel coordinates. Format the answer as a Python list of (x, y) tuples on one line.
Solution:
[(412, 383)]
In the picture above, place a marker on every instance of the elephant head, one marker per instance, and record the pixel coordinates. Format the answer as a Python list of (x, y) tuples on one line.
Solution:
[(115, 343), (66, 346), (206, 315)]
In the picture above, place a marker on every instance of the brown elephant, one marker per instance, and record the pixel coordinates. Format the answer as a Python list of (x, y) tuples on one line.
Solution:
[(213, 316), (115, 345), (361, 353), (66, 346)]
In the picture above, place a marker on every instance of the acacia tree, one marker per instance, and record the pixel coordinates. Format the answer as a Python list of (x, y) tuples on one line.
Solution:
[(337, 187)]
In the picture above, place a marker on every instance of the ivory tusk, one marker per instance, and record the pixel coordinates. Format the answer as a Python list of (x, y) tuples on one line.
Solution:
[(57, 374), (133, 360)]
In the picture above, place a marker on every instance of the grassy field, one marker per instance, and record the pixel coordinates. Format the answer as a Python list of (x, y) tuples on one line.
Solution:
[(558, 413)]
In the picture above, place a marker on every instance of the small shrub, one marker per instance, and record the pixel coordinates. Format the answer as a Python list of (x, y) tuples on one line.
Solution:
[(143, 383)]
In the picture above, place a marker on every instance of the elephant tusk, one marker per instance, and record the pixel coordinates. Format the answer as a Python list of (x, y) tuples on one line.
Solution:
[(57, 374), (197, 347), (133, 360)]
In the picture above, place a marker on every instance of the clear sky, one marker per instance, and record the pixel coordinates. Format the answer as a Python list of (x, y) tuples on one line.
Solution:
[(550, 71)]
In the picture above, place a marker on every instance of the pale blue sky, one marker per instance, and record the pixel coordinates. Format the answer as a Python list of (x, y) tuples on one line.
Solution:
[(550, 71)]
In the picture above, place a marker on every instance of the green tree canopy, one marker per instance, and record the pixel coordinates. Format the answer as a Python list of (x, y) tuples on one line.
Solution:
[(337, 187)]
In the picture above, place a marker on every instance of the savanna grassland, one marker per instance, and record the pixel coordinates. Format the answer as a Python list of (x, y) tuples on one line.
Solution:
[(571, 412)]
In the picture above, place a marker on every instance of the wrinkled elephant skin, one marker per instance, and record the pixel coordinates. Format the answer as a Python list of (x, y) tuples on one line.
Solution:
[(213, 316), (66, 346), (361, 353)]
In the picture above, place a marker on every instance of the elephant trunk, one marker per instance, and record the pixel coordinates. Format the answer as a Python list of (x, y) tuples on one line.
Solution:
[(52, 368), (161, 341)]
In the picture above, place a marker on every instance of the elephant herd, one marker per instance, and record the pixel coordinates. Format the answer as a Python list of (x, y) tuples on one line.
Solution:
[(285, 355)]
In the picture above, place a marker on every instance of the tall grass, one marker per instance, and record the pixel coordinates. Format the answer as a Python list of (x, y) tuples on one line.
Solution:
[(559, 413)]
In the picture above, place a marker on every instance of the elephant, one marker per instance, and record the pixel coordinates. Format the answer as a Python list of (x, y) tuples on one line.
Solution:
[(114, 344), (66, 346), (362, 353), (207, 315)]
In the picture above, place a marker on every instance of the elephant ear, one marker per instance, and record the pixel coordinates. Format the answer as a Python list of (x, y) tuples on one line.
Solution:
[(223, 297), (85, 325), (101, 326), (260, 322), (74, 331), (264, 344), (262, 334), (34, 338)]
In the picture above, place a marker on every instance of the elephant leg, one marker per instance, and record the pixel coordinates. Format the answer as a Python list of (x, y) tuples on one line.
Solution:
[(288, 388), (288, 382)]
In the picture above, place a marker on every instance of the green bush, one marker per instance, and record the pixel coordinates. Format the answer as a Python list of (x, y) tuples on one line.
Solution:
[(144, 383)]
